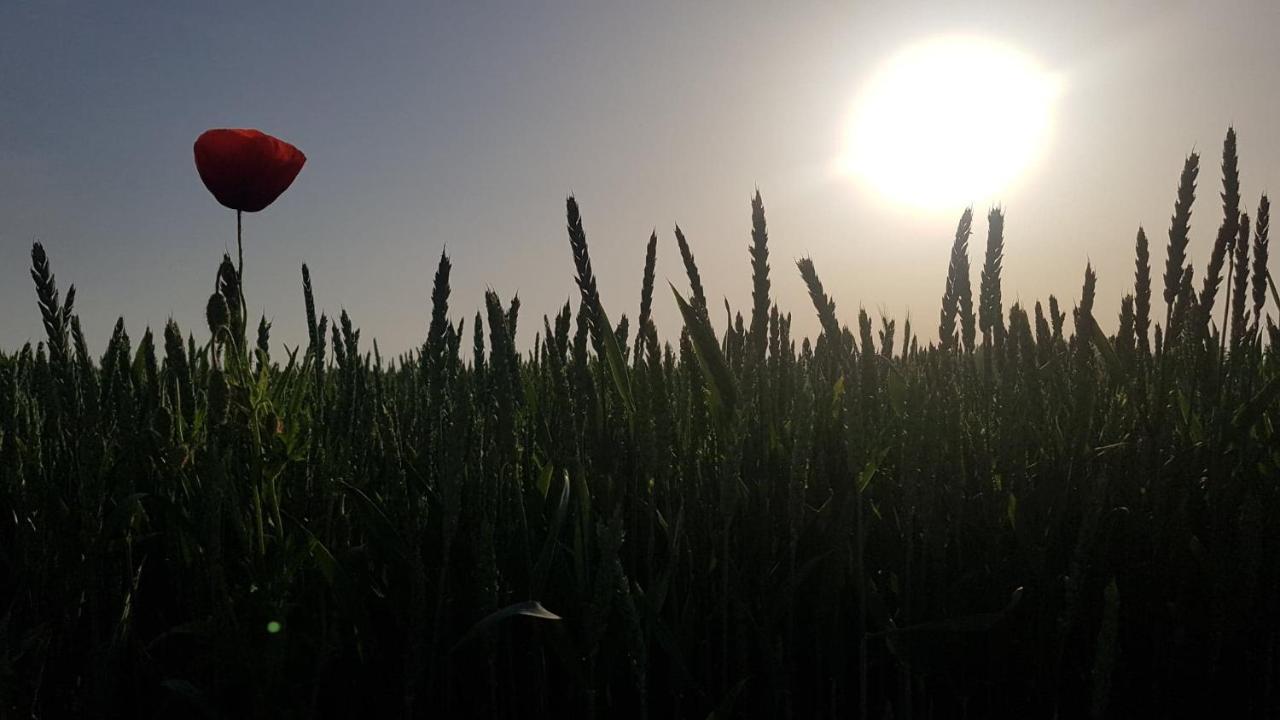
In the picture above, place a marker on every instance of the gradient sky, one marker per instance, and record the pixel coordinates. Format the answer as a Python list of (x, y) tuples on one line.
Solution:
[(466, 125)]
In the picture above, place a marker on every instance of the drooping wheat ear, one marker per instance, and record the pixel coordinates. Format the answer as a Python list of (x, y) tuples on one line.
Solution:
[(1260, 241), (990, 312), (1240, 292), (645, 327), (825, 306), (439, 308), (217, 314), (698, 298), (585, 278), (759, 279), (1142, 297), (957, 298), (56, 315), (1179, 232)]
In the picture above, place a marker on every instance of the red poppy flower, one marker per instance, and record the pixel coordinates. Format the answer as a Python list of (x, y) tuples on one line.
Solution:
[(246, 169)]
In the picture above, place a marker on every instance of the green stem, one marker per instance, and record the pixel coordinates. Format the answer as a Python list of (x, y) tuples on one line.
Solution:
[(240, 250), (244, 304)]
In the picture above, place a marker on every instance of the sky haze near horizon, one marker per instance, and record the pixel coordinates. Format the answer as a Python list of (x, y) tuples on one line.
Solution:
[(465, 126)]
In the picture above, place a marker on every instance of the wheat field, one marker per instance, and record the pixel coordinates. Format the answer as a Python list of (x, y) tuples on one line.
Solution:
[(1027, 517)]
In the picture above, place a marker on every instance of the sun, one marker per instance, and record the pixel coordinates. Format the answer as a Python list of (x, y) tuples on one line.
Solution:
[(949, 121)]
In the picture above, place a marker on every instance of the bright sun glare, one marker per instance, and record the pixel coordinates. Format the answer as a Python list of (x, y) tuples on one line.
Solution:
[(949, 121)]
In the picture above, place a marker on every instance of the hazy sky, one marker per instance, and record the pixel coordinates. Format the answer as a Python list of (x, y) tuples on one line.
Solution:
[(467, 124)]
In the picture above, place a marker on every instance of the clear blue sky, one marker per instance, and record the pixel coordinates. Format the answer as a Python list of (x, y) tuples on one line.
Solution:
[(467, 124)]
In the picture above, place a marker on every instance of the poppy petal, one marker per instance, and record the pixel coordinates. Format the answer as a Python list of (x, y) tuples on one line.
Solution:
[(246, 169)]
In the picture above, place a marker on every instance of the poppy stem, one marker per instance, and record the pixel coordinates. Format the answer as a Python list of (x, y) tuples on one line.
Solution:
[(244, 305), (240, 249)]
